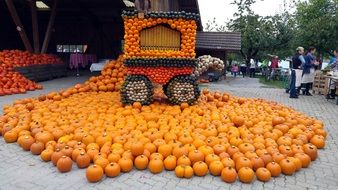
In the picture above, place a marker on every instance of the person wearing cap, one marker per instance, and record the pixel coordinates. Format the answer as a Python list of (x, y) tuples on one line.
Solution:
[(296, 72)]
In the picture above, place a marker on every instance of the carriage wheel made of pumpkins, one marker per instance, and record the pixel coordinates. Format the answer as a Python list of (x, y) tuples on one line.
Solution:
[(137, 88), (182, 89)]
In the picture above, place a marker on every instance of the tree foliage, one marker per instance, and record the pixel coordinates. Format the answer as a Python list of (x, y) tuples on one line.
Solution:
[(317, 24), (260, 34)]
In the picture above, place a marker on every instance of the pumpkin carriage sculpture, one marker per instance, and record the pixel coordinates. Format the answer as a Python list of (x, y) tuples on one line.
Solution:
[(159, 48)]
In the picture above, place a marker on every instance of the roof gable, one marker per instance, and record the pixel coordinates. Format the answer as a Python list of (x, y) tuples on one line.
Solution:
[(230, 41)]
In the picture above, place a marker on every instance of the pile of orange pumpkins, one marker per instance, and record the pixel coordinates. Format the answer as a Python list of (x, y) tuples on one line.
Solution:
[(111, 78), (227, 136), (12, 82), (19, 58)]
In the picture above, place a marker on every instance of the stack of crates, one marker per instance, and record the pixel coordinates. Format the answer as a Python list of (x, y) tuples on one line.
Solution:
[(320, 84), (43, 72)]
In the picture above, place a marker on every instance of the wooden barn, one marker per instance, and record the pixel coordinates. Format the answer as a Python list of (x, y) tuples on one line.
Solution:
[(62, 27)]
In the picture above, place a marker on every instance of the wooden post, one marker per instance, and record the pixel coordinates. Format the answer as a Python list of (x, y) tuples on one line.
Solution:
[(49, 27), (35, 26), (19, 25)]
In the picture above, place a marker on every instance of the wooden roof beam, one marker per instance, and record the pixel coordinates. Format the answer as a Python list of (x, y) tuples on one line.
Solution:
[(35, 26), (49, 27), (19, 25)]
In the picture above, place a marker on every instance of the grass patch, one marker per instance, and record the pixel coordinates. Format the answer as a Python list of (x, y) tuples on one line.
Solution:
[(272, 83)]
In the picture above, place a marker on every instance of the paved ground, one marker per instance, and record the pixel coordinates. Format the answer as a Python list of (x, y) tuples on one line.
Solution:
[(21, 170)]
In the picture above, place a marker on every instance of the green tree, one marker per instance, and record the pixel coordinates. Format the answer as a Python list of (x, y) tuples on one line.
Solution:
[(261, 35), (317, 24)]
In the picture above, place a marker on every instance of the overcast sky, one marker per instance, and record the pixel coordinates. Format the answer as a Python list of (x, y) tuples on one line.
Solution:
[(223, 11)]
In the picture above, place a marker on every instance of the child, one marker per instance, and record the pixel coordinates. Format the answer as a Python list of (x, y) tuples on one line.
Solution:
[(235, 69)]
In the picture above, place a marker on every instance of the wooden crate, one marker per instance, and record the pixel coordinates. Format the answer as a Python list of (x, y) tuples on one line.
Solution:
[(43, 72), (58, 70), (320, 84)]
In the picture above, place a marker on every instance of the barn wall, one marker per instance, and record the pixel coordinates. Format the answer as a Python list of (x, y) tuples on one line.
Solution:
[(102, 37)]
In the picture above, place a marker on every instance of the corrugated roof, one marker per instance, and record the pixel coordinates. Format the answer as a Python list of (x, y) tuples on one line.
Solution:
[(230, 41)]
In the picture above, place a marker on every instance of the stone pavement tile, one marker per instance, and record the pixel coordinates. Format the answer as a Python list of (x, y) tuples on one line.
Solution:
[(235, 186), (245, 186), (329, 188)]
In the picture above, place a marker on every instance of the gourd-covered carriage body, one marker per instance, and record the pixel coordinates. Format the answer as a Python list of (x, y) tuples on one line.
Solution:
[(159, 47)]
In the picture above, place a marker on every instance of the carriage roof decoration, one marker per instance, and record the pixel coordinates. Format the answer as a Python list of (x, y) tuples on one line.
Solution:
[(159, 47)]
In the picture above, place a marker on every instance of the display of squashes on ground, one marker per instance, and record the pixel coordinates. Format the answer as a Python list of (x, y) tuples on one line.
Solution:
[(233, 138), (223, 135), (12, 82)]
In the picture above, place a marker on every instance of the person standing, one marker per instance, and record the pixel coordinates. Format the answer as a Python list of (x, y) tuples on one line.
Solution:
[(296, 72), (235, 70), (308, 67), (274, 62), (334, 67), (243, 69), (252, 68), (273, 66)]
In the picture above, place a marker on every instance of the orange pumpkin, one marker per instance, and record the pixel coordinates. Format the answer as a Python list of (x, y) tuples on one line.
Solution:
[(183, 171), (196, 156), (310, 150), (26, 142), (156, 166), (141, 162), (229, 174), (200, 168), (56, 156), (246, 175), (137, 148), (82, 160), (274, 169), (216, 167), (243, 162), (126, 164), (288, 166), (94, 173), (263, 174), (112, 170), (304, 158), (37, 147), (170, 162), (64, 164), (46, 155)]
